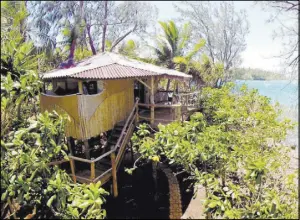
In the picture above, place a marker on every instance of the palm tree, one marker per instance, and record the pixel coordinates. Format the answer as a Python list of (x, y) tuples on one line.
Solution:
[(170, 47)]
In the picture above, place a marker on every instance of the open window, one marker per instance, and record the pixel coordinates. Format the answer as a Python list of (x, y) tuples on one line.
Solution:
[(70, 87), (65, 87), (92, 87)]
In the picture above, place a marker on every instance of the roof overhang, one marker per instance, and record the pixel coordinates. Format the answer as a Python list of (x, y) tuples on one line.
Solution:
[(105, 66)]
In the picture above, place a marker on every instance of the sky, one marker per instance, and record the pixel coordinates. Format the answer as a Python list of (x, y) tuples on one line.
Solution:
[(261, 47)]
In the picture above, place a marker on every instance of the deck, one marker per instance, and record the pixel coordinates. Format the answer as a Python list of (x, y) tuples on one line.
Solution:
[(167, 113)]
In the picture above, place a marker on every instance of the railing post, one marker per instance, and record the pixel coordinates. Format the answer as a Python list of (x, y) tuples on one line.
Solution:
[(137, 111), (73, 170), (152, 101), (178, 112), (114, 174), (93, 175)]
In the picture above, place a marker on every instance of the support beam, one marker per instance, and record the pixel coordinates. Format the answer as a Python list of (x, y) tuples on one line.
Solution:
[(152, 100), (72, 164), (80, 87), (178, 112), (145, 84), (114, 174), (87, 149), (93, 173), (71, 143), (137, 114)]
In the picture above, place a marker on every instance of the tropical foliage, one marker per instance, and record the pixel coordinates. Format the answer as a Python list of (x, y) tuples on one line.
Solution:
[(30, 141), (233, 147), (171, 46)]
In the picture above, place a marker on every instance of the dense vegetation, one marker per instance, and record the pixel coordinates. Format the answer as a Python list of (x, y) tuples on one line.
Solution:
[(234, 148), (30, 141), (255, 74)]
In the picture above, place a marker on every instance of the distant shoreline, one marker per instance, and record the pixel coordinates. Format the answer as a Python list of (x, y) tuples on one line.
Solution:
[(265, 80)]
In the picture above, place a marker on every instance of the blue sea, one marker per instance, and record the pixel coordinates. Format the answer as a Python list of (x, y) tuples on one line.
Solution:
[(283, 91)]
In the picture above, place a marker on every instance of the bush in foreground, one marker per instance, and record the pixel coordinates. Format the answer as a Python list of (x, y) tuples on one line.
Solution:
[(235, 148)]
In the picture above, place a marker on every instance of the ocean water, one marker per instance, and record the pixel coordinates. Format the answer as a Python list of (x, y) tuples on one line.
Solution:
[(283, 91)]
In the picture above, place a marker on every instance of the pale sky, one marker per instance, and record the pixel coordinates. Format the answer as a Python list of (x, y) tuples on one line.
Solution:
[(260, 46)]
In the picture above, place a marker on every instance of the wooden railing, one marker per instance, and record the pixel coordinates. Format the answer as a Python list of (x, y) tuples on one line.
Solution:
[(176, 116), (189, 99), (184, 98), (115, 160)]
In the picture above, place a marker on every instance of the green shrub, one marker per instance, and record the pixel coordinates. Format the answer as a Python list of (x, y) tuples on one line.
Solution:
[(235, 148)]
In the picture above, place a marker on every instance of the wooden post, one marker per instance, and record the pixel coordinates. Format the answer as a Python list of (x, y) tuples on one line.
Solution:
[(73, 170), (80, 88), (178, 112), (87, 149), (152, 101), (114, 174), (93, 175), (137, 113)]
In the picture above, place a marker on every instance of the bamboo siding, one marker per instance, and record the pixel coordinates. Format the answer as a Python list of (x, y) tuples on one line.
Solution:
[(90, 115)]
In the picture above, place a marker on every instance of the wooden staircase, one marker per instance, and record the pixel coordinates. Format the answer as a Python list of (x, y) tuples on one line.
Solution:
[(103, 168)]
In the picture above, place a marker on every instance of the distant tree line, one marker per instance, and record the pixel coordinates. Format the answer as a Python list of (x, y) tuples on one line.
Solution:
[(255, 74)]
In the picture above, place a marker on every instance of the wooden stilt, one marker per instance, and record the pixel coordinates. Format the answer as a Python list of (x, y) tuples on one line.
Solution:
[(114, 174), (93, 175), (178, 112), (152, 100), (137, 113), (73, 170)]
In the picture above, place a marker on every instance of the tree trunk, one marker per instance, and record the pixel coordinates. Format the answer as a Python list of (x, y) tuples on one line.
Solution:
[(104, 26), (72, 49), (88, 27), (70, 62)]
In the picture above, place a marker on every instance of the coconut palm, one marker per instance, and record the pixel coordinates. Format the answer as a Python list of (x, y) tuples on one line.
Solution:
[(171, 46)]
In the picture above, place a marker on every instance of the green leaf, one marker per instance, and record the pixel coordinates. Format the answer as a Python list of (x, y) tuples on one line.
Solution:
[(50, 201), (213, 204)]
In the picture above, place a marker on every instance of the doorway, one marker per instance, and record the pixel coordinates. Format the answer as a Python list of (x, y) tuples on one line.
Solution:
[(139, 91)]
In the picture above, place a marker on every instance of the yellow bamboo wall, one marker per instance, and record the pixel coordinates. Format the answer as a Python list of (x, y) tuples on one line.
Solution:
[(91, 115)]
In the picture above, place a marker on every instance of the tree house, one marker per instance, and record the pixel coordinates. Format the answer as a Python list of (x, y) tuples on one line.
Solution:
[(99, 95)]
